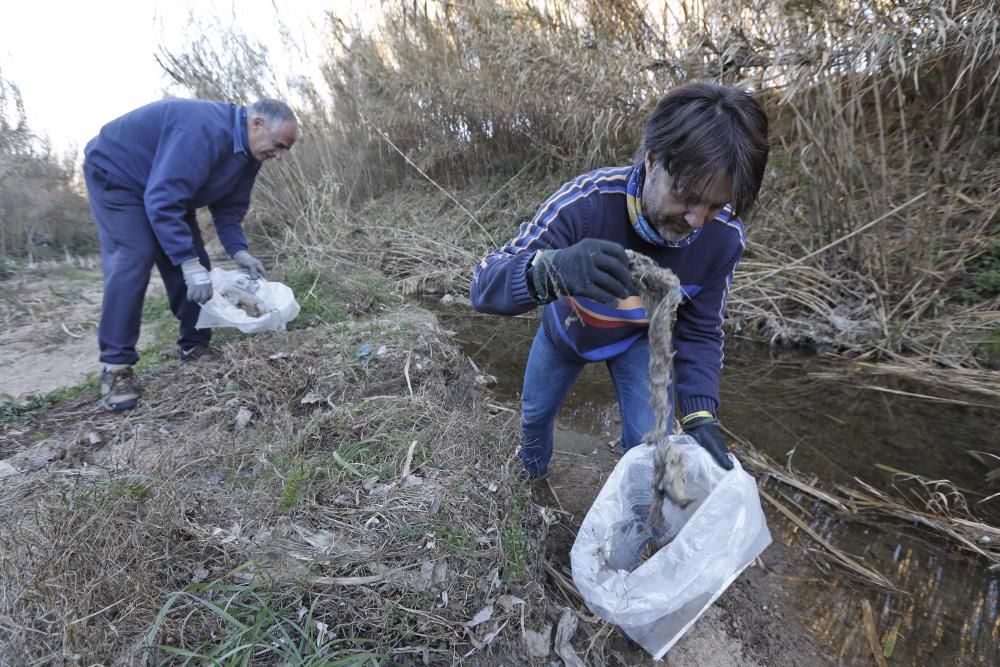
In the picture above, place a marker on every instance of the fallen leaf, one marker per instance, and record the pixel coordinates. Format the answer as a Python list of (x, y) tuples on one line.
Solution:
[(537, 643), (323, 629), (440, 573), (411, 481), (483, 615), (243, 417), (508, 602), (564, 635), (310, 398), (381, 489), (89, 436)]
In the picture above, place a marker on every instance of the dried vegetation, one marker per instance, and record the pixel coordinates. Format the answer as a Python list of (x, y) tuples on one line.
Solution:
[(332, 495), (877, 231)]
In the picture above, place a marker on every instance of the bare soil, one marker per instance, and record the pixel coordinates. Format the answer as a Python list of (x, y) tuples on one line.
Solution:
[(49, 336)]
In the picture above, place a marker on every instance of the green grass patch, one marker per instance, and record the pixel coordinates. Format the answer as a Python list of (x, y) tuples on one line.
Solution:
[(992, 345), (8, 267), (451, 537), (317, 295), (251, 625), (985, 278), (75, 273), (293, 488), (16, 411), (517, 540)]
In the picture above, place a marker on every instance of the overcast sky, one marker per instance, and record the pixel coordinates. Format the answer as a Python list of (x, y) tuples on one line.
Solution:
[(81, 64)]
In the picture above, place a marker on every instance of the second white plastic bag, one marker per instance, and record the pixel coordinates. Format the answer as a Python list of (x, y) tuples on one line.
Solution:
[(274, 301), (714, 538)]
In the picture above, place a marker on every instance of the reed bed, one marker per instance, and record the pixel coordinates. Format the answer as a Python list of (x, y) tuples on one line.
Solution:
[(876, 234)]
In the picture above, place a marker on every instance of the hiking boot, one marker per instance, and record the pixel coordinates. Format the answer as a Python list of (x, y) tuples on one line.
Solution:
[(202, 352), (119, 389)]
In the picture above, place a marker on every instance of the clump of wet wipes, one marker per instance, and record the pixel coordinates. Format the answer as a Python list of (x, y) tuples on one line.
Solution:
[(644, 531)]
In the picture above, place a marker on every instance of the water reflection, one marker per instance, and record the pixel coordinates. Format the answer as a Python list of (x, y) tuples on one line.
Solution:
[(837, 430)]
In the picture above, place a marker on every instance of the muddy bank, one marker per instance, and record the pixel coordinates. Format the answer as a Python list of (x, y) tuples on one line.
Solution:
[(835, 428)]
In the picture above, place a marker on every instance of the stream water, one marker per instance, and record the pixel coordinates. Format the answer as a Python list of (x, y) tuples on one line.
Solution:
[(837, 426)]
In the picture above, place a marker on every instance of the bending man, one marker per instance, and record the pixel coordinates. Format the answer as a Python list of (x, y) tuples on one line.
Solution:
[(701, 164), (147, 172)]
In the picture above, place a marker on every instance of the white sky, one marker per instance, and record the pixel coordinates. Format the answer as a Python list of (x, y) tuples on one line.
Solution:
[(80, 64)]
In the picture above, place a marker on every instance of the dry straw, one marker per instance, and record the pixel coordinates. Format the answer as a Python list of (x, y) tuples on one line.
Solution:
[(337, 493)]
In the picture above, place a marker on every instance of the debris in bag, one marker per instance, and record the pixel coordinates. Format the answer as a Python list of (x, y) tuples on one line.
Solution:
[(701, 550), (639, 535), (249, 305), (670, 529), (243, 295)]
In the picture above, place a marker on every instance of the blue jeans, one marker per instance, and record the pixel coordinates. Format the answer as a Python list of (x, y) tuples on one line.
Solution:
[(548, 378), (129, 250)]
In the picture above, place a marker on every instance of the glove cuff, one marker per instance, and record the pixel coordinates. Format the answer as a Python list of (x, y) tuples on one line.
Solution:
[(696, 419), (242, 251), (192, 266), (540, 277)]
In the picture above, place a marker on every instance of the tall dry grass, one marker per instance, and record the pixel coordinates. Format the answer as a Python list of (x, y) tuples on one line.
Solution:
[(41, 212), (877, 228)]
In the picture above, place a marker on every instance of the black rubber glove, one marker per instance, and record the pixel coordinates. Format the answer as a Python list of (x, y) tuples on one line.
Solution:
[(706, 431), (592, 268)]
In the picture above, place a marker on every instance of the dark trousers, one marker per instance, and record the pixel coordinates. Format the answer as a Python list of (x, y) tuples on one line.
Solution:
[(129, 249)]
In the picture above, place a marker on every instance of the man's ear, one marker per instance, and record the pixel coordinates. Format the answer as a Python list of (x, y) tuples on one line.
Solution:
[(650, 161)]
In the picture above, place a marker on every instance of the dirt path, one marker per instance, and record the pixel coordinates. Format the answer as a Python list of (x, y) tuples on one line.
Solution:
[(49, 337)]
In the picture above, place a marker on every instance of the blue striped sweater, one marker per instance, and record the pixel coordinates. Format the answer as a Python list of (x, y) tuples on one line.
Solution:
[(594, 206)]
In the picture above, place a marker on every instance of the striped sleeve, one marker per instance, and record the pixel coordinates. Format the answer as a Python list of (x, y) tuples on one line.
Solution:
[(499, 281)]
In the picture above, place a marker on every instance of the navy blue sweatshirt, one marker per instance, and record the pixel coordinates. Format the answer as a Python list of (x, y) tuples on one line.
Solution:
[(181, 155), (594, 206)]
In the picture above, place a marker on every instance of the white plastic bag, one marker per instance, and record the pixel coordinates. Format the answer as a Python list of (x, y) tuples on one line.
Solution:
[(713, 539), (235, 298)]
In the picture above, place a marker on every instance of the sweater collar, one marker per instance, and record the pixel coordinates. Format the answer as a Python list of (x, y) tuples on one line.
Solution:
[(633, 199), (241, 142)]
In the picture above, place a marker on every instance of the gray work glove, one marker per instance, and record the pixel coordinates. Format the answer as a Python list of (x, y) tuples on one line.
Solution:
[(253, 266), (198, 283)]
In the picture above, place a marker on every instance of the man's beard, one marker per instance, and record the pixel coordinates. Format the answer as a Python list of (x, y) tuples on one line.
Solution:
[(672, 228)]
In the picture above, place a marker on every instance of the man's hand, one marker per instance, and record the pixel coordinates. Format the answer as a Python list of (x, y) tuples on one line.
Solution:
[(593, 268), (704, 427), (253, 266), (198, 283)]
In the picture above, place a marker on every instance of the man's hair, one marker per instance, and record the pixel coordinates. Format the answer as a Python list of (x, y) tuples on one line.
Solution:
[(274, 112), (700, 129)]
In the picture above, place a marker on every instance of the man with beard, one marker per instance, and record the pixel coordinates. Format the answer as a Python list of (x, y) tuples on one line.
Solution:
[(700, 165)]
